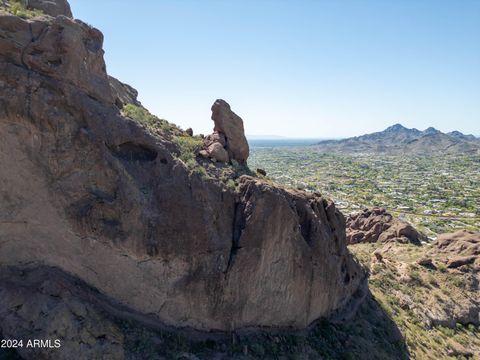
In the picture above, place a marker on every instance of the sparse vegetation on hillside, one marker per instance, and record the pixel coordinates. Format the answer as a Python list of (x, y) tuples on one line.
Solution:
[(18, 8), (416, 298), (140, 114), (188, 147), (150, 121)]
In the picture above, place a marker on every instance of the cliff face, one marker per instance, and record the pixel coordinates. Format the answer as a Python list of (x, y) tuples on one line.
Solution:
[(96, 195)]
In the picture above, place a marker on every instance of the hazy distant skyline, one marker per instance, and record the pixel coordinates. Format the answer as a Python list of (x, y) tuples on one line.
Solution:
[(298, 68)]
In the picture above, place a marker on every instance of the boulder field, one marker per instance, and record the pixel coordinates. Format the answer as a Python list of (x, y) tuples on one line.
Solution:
[(91, 198)]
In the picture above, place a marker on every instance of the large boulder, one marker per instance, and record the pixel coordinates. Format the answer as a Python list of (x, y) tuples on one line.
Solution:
[(215, 137), (231, 126), (217, 151), (400, 231)]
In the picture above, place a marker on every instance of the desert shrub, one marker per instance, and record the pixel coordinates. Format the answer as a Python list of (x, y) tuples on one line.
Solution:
[(415, 275), (441, 267), (376, 268), (190, 163), (231, 185), (471, 327), (18, 8), (139, 114), (144, 117), (446, 331), (201, 171), (458, 281), (432, 280), (188, 147)]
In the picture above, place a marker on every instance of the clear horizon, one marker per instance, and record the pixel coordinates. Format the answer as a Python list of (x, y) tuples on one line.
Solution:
[(303, 69), (279, 137)]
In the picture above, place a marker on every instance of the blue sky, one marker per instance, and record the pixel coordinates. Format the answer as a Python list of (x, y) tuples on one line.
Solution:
[(298, 68)]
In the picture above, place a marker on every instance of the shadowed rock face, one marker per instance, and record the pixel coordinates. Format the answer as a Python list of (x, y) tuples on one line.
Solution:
[(53, 305), (97, 196)]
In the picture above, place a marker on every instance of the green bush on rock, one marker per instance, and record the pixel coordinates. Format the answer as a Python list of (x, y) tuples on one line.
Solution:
[(18, 8)]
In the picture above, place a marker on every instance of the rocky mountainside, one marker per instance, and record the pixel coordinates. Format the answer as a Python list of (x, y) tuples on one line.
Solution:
[(109, 214), (397, 139), (429, 289)]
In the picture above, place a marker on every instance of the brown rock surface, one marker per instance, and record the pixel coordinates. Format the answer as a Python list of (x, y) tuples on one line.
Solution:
[(51, 7), (215, 147), (460, 243), (427, 262), (215, 137), (400, 231), (457, 249), (123, 94), (53, 305), (217, 151), (372, 225), (458, 261), (62, 49), (231, 126), (97, 196)]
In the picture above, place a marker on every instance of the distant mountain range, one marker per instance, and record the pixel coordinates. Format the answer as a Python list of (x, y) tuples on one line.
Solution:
[(398, 139)]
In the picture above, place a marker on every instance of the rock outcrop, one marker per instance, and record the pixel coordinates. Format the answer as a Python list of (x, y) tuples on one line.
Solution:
[(228, 141), (51, 7), (122, 93), (95, 195), (457, 249), (372, 225)]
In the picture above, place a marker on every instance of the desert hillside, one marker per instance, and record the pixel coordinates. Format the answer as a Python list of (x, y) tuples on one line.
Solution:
[(124, 236), (169, 228)]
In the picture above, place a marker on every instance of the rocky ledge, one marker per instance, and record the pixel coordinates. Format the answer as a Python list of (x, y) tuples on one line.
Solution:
[(112, 202)]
